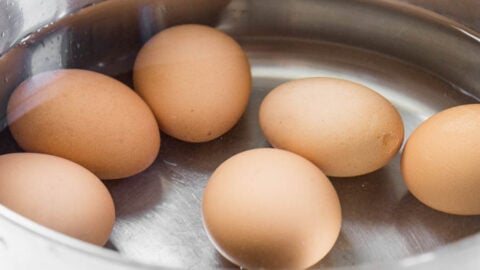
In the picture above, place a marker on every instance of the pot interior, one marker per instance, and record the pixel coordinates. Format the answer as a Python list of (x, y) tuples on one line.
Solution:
[(417, 61)]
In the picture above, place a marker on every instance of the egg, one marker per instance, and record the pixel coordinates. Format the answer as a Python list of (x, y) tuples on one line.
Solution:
[(343, 127), (58, 194), (271, 209), (196, 79), (440, 162), (86, 117)]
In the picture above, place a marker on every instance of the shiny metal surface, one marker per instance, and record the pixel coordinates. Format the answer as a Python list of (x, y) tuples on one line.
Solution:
[(419, 60)]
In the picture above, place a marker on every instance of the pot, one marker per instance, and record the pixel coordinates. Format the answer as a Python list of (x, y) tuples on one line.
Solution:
[(423, 62)]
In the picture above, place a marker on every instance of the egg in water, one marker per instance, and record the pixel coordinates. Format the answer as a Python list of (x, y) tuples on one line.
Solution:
[(58, 194), (87, 117), (196, 79), (343, 127), (440, 162), (272, 209)]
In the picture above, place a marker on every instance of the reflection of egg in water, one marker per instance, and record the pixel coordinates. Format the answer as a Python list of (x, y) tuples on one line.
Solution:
[(196, 79), (58, 194), (441, 161), (343, 127), (87, 117), (269, 208)]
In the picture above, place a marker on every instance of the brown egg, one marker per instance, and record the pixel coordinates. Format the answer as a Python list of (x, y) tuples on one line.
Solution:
[(196, 79), (58, 194), (272, 209), (343, 127), (87, 117), (440, 162)]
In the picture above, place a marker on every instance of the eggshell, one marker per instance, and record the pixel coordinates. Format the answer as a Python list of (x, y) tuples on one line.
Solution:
[(196, 79), (440, 162), (343, 127), (272, 209), (58, 194), (87, 117)]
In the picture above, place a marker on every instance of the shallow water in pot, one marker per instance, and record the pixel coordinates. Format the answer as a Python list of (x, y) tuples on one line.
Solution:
[(159, 211)]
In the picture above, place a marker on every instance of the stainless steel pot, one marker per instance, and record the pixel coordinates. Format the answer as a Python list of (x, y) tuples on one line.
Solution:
[(420, 60)]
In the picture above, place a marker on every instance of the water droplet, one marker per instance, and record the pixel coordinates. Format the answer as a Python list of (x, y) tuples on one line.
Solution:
[(101, 64), (3, 34), (78, 46), (24, 40), (5, 79)]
